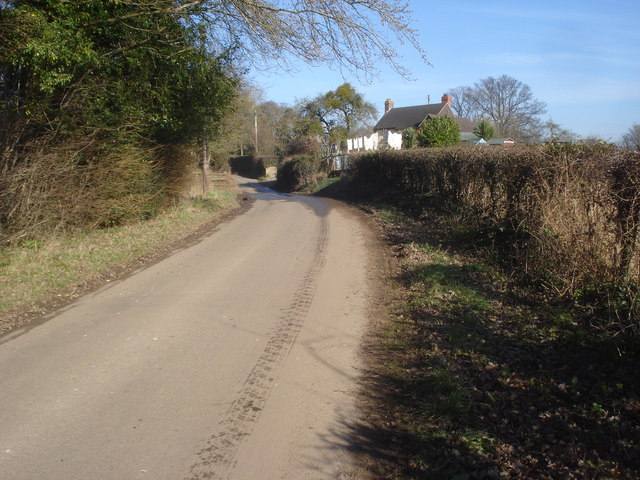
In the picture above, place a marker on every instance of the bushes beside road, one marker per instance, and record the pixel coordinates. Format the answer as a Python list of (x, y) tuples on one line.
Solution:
[(298, 172), (565, 217), (524, 369)]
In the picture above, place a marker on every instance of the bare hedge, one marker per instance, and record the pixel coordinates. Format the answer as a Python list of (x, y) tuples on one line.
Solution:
[(569, 214), (79, 186)]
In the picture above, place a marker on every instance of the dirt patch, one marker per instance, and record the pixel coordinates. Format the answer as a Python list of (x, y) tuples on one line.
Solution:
[(375, 444)]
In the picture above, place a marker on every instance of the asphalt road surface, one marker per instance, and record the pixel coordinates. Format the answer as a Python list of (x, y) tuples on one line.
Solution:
[(234, 358)]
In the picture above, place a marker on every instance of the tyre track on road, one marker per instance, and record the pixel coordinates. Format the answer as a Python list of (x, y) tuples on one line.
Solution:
[(217, 457)]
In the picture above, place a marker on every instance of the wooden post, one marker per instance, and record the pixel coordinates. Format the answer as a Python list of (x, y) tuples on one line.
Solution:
[(205, 167), (255, 126)]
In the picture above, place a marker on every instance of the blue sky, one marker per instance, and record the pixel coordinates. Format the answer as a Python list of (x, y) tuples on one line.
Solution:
[(580, 57)]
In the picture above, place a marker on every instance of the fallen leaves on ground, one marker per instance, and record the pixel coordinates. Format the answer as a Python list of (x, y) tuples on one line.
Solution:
[(486, 379)]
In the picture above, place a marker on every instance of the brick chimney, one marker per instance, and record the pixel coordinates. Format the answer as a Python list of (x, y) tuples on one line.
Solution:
[(388, 105), (446, 98)]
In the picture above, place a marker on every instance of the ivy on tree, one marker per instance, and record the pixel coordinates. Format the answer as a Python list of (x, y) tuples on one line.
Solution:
[(338, 113)]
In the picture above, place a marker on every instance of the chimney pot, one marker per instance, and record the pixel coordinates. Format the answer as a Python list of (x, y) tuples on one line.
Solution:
[(388, 105)]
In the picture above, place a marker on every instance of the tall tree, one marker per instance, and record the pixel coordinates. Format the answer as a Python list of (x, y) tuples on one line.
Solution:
[(631, 139), (270, 115), (236, 134), (352, 35), (340, 112), (297, 130), (507, 102), (551, 131), (350, 106), (461, 102)]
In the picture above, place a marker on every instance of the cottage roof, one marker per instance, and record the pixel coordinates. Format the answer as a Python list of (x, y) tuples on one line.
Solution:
[(405, 117), (501, 141)]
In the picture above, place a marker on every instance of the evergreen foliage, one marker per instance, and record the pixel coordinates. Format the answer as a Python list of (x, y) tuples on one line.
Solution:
[(409, 138), (438, 132), (484, 129), (116, 68), (93, 95)]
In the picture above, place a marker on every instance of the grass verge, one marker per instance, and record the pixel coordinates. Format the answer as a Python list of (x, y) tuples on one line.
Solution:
[(486, 379), (322, 184), (36, 274)]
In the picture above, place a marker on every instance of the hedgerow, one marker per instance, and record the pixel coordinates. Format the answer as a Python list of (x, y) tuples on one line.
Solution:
[(566, 216), (298, 172)]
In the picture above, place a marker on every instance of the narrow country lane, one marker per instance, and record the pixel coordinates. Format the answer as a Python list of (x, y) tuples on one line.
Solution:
[(235, 358)]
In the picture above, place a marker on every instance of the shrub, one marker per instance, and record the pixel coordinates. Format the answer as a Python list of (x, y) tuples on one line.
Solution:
[(409, 138), (82, 186), (484, 129), (298, 172), (302, 145), (438, 132)]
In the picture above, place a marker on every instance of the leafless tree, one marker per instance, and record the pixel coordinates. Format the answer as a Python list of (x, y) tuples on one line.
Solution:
[(461, 104), (355, 35), (348, 34), (551, 131), (507, 102), (631, 139)]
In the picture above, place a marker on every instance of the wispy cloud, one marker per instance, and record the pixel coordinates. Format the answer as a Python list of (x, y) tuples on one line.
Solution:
[(525, 59)]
